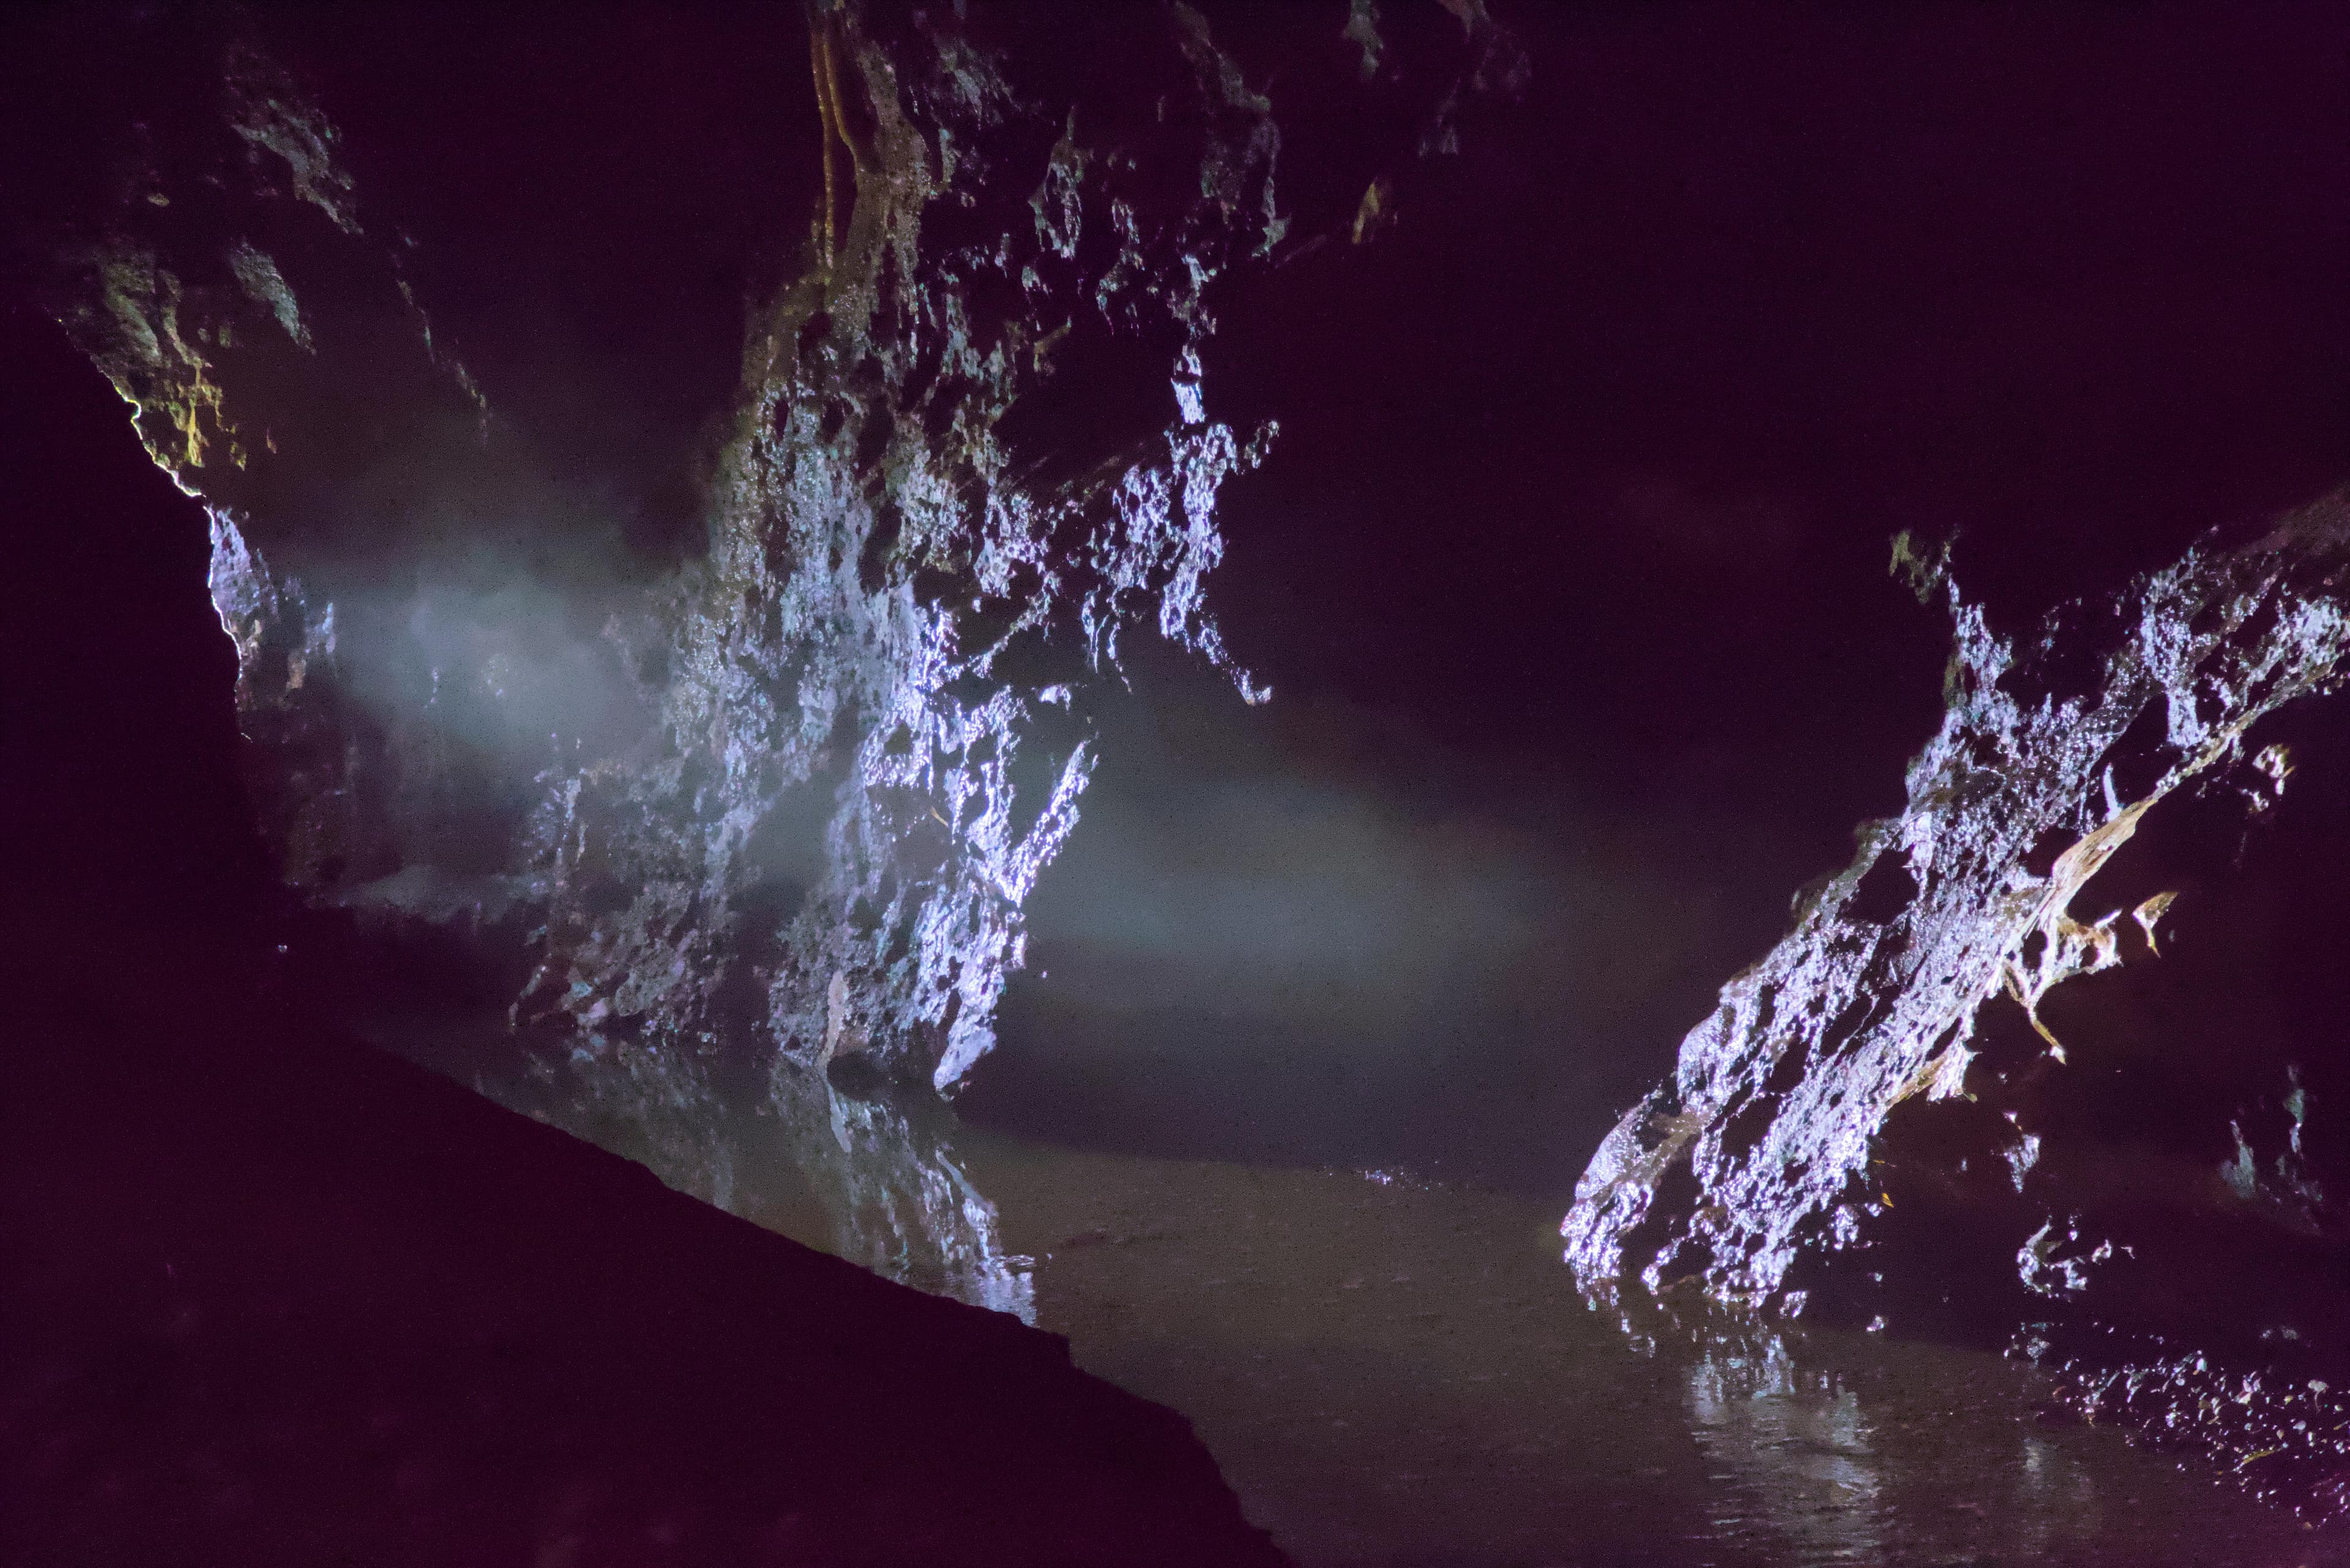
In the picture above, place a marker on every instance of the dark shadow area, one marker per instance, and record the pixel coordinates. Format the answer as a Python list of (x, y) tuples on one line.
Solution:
[(1315, 933), (1569, 571), (590, 207), (270, 1296)]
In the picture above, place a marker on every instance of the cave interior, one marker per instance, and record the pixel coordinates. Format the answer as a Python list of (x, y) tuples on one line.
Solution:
[(1347, 782)]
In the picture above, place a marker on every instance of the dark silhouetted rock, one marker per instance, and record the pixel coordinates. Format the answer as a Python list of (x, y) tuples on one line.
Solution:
[(269, 1296)]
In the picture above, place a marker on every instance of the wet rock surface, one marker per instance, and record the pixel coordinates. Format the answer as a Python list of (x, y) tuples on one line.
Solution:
[(2053, 1051), (1397, 1372), (770, 808), (744, 810), (271, 1296)]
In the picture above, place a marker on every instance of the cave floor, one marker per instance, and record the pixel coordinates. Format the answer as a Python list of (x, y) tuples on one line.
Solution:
[(1394, 1373), (1398, 1374)]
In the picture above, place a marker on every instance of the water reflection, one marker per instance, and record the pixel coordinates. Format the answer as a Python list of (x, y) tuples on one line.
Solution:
[(873, 1177), (895, 1198), (1402, 1373), (1830, 1447), (1797, 1450), (1394, 1373)]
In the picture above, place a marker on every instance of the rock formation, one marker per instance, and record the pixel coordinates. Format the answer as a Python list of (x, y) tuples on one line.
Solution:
[(271, 1296), (770, 817), (2048, 1053)]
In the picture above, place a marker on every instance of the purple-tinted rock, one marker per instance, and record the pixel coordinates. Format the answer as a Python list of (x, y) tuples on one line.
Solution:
[(771, 814), (271, 1296), (2050, 1051)]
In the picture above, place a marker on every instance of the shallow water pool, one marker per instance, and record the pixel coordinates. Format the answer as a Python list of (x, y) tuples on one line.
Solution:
[(1393, 1373), (1396, 1373)]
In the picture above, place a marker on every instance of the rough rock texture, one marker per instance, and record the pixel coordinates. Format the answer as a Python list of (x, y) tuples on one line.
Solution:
[(173, 264), (883, 596), (269, 1296), (771, 817), (213, 262), (2052, 1051), (976, 448)]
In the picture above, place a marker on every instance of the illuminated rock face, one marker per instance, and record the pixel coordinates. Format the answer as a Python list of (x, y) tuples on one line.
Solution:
[(781, 807), (888, 620), (889, 616), (2055, 1048)]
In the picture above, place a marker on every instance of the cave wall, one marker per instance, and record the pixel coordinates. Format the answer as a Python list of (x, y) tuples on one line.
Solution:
[(271, 1296), (2054, 1054), (124, 816), (759, 815)]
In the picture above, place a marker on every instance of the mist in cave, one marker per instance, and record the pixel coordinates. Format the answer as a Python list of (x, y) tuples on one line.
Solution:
[(1160, 671)]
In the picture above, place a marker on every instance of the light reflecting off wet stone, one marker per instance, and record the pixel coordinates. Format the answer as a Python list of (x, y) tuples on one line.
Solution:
[(1401, 1373), (876, 1179), (1397, 1373), (1799, 1452)]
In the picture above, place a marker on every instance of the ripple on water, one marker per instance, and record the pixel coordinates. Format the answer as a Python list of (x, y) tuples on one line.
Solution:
[(1394, 1372), (1399, 1373)]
